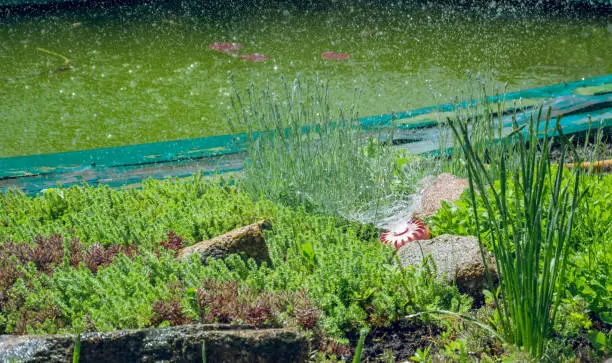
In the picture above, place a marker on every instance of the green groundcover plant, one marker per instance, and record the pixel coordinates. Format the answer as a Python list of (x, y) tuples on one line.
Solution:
[(326, 274), (109, 263)]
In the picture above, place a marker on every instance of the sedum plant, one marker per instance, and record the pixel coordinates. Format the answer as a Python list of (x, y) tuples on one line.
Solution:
[(83, 273), (531, 248)]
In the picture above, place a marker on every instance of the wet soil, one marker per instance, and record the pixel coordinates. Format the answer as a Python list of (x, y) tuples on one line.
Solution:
[(402, 339)]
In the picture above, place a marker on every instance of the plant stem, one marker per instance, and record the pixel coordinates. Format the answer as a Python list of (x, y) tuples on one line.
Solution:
[(358, 351), (66, 60), (76, 353)]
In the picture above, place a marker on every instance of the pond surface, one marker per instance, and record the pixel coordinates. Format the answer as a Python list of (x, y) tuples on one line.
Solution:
[(144, 73)]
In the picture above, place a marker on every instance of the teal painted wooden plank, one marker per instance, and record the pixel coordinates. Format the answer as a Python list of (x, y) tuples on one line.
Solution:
[(150, 153), (572, 124), (123, 176), (557, 90), (424, 141)]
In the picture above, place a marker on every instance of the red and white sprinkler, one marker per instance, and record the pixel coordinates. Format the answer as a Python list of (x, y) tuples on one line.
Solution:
[(405, 232)]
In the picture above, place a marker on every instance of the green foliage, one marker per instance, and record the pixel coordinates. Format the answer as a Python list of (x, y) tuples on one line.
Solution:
[(355, 279), (590, 258), (117, 297), (577, 335), (422, 355), (29, 305), (346, 272), (454, 218), (456, 351), (588, 276), (531, 249), (594, 216), (601, 341), (592, 219), (572, 318), (196, 209)]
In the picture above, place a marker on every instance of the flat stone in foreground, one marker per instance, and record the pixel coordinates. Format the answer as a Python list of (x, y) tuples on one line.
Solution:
[(223, 343)]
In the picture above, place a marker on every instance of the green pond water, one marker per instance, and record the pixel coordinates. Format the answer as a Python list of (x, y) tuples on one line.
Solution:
[(143, 73)]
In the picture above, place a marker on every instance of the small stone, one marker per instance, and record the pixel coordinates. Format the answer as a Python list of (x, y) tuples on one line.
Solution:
[(445, 187), (248, 241), (456, 257)]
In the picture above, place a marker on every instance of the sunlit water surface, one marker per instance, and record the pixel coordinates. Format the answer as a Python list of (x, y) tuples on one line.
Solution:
[(144, 73)]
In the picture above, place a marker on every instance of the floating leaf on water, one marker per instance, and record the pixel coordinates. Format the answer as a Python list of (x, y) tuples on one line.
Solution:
[(226, 47), (254, 57), (335, 56)]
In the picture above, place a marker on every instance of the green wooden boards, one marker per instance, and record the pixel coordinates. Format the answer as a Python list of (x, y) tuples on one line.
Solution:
[(581, 103)]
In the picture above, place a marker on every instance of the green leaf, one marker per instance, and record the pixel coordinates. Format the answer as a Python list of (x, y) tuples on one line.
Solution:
[(606, 317), (598, 339)]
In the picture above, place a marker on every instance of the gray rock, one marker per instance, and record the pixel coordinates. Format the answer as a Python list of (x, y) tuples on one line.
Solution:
[(445, 187), (223, 343), (248, 241), (456, 257)]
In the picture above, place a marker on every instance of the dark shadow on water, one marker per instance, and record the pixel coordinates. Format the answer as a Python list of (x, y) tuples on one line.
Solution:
[(495, 8)]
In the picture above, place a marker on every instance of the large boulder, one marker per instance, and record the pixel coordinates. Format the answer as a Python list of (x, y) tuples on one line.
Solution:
[(223, 343), (445, 187), (457, 258), (248, 241)]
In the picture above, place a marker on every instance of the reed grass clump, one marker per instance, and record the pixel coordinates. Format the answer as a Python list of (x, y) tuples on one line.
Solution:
[(531, 248)]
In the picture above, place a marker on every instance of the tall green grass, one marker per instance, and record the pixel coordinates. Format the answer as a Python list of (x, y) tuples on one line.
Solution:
[(594, 147), (306, 151), (531, 249), (485, 119)]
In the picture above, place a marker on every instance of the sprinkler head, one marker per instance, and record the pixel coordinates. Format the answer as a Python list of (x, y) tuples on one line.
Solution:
[(404, 232)]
